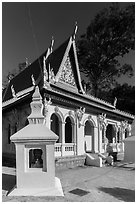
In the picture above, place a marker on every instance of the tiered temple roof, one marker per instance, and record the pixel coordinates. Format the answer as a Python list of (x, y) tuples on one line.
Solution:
[(56, 72)]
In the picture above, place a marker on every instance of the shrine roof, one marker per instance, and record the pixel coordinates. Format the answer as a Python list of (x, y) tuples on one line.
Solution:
[(34, 132)]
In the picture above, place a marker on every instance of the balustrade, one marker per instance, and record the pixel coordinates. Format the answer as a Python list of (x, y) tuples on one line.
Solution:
[(67, 147)]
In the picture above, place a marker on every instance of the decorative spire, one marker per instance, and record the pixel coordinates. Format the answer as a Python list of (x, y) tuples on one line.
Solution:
[(44, 69), (75, 31), (36, 116)]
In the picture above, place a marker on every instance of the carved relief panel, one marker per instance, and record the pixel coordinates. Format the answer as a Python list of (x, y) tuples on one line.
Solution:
[(67, 75)]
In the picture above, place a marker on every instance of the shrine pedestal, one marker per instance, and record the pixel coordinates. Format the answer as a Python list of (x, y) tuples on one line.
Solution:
[(35, 162)]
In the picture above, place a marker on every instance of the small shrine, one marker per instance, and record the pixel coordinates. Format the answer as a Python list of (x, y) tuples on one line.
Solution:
[(35, 160)]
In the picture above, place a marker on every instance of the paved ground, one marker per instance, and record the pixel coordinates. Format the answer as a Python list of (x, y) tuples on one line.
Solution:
[(106, 184)]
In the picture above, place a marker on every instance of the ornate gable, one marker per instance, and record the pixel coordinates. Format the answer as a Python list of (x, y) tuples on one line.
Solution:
[(67, 75)]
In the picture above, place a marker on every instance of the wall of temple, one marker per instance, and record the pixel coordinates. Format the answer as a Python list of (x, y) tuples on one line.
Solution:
[(12, 121)]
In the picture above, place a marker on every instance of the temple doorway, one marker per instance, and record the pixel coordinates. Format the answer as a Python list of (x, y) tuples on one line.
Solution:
[(89, 136), (111, 133)]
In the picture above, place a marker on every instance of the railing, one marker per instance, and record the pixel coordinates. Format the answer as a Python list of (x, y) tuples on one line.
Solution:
[(69, 147), (64, 149), (58, 147), (115, 147)]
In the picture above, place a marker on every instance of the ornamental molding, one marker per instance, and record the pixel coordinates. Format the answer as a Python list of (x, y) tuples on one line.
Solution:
[(46, 106), (56, 109), (102, 121), (124, 125), (79, 114), (58, 112), (71, 113)]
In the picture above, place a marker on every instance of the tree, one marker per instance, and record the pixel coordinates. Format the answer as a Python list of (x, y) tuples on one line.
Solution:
[(110, 35), (125, 95), (14, 72)]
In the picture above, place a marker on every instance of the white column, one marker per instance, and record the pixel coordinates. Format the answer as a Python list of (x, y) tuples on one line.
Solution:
[(95, 140), (123, 137), (80, 140), (99, 138), (74, 138), (63, 139), (105, 138)]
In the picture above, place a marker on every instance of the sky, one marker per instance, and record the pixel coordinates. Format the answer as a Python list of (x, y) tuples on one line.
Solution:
[(27, 29)]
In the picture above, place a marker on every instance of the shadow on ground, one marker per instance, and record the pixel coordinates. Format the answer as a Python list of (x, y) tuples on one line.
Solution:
[(8, 182), (123, 194)]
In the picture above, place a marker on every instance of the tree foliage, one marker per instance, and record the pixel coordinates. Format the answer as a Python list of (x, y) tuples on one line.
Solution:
[(125, 95), (110, 35)]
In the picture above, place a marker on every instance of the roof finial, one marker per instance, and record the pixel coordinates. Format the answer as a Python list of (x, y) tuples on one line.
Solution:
[(33, 80), (52, 43), (27, 62), (75, 30), (115, 102), (13, 92)]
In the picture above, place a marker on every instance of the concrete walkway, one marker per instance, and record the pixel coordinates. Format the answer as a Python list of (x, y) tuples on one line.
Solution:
[(88, 184)]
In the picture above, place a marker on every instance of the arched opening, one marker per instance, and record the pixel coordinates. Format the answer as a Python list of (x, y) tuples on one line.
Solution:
[(55, 126), (68, 130), (89, 136), (111, 133), (126, 133), (103, 134), (118, 136)]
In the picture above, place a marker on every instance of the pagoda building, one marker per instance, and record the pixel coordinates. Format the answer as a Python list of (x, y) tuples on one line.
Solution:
[(83, 122)]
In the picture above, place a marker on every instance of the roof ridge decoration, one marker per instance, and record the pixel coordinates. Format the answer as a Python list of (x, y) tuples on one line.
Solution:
[(98, 99), (33, 80), (13, 91), (65, 59), (47, 76), (123, 112), (19, 95)]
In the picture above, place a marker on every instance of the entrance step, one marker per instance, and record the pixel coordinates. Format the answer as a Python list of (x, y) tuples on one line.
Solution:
[(93, 159), (69, 161)]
